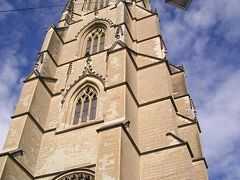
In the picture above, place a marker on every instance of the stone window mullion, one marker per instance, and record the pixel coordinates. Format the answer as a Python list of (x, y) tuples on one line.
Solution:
[(89, 107), (92, 43), (82, 105), (85, 109)]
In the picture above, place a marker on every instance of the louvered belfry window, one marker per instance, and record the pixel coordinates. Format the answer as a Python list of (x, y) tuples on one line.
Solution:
[(95, 41), (86, 106)]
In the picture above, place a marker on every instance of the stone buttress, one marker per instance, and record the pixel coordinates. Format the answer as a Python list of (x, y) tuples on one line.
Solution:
[(136, 120)]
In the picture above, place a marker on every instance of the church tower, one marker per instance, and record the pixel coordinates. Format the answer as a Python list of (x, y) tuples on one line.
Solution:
[(104, 103)]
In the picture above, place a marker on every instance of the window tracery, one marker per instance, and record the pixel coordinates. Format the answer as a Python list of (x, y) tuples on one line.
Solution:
[(86, 106), (78, 176), (95, 41)]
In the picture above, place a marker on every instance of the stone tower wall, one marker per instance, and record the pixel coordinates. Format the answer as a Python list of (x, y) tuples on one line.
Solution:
[(145, 126)]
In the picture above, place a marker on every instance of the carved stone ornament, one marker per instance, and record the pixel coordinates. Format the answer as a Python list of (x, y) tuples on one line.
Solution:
[(78, 176), (39, 63), (88, 70), (119, 32), (97, 19)]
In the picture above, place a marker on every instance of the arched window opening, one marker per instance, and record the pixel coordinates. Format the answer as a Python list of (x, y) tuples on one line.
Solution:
[(95, 41), (86, 106)]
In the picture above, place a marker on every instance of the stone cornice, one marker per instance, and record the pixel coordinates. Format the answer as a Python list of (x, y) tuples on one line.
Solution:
[(122, 124), (135, 99), (201, 159), (12, 155)]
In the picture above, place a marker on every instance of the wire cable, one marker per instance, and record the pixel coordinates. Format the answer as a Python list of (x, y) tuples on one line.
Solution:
[(40, 7), (31, 8)]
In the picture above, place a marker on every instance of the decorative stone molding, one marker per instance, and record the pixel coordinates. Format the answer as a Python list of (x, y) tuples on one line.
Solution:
[(76, 176), (119, 32), (101, 20), (88, 71)]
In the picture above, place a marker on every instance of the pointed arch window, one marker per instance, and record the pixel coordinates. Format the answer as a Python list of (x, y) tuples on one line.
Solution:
[(95, 41), (86, 106)]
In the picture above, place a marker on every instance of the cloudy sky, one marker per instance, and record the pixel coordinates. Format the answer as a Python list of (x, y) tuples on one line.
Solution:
[(206, 39)]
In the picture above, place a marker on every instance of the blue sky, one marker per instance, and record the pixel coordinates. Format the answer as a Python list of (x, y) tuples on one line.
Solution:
[(206, 39)]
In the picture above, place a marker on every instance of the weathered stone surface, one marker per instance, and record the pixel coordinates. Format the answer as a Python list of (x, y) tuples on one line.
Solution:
[(133, 127)]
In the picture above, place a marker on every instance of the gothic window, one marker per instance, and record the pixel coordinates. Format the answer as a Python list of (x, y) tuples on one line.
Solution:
[(86, 106), (95, 41)]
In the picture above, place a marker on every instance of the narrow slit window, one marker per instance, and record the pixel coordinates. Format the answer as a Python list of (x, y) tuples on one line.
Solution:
[(93, 108), (88, 47), (95, 44), (77, 112), (102, 42), (85, 110)]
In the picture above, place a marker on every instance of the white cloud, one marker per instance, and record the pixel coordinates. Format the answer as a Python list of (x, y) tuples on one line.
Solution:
[(221, 117), (11, 63), (206, 39), (14, 53), (201, 38)]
